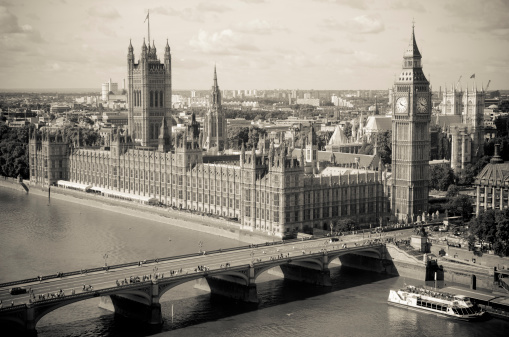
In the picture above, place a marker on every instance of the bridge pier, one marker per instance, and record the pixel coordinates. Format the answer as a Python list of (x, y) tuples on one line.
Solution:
[(235, 288), (307, 275), (136, 307)]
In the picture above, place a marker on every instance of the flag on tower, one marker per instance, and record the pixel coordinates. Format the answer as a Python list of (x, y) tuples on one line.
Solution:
[(473, 75), (146, 20)]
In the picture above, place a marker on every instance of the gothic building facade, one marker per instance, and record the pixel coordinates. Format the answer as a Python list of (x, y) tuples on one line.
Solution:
[(269, 189), (464, 110), (410, 137), (149, 93)]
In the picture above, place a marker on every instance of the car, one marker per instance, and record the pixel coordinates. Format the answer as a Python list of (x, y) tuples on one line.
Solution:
[(333, 240), (17, 291)]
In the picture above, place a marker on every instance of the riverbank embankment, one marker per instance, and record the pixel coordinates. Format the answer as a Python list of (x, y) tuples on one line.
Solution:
[(165, 215)]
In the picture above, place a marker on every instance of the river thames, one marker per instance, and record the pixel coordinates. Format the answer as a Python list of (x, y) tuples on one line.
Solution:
[(39, 238)]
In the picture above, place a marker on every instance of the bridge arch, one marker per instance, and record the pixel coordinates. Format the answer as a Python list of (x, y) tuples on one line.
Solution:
[(166, 285), (16, 320), (374, 252), (41, 309), (314, 263)]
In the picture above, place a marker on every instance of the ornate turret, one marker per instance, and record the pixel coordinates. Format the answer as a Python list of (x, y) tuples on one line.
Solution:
[(143, 49), (215, 121), (164, 137)]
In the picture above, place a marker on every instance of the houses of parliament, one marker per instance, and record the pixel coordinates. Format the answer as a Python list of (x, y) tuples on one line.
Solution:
[(271, 188)]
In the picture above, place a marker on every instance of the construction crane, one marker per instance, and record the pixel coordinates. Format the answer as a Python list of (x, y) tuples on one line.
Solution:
[(487, 86)]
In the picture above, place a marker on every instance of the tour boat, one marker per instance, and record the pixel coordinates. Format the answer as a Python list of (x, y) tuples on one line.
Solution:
[(454, 306)]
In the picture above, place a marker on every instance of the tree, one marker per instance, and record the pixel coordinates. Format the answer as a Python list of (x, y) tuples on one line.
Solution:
[(347, 130), (501, 245), (345, 225), (484, 227), (452, 191), (441, 176), (468, 175), (14, 152), (461, 205), (384, 144)]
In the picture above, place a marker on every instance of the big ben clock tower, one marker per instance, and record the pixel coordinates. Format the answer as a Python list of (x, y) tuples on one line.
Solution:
[(410, 137)]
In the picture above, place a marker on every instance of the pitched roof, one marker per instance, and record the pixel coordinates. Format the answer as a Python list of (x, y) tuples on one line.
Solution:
[(378, 124), (338, 137)]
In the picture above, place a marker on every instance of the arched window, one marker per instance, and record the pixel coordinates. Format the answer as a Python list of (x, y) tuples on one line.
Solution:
[(161, 99), (151, 99)]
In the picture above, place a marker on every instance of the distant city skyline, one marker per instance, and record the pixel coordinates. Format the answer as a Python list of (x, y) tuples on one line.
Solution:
[(256, 44)]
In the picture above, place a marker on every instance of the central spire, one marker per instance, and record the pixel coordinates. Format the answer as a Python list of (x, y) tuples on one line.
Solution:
[(412, 50), (215, 77)]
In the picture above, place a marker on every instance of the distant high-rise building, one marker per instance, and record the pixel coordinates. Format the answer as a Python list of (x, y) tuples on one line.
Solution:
[(410, 137), (149, 95)]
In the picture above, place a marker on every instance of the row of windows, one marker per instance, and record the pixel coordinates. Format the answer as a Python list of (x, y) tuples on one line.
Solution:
[(155, 97)]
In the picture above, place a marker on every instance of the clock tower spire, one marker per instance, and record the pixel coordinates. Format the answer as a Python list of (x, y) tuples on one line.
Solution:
[(410, 137)]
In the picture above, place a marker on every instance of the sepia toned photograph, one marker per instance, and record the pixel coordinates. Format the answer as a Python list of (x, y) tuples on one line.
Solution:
[(254, 168)]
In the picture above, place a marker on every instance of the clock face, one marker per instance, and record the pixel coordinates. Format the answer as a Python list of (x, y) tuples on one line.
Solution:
[(402, 104), (422, 104)]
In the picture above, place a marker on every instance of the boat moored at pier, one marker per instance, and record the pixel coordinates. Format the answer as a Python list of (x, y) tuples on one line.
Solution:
[(454, 306)]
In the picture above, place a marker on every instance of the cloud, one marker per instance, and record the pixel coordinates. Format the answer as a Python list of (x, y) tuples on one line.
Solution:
[(369, 60), (363, 24), (105, 13), (223, 42), (341, 50), (8, 21), (321, 38), (187, 63), (358, 4), (408, 4), (196, 14), (211, 7), (11, 32), (258, 26)]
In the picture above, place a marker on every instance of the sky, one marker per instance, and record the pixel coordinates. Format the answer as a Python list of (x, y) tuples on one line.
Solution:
[(255, 44)]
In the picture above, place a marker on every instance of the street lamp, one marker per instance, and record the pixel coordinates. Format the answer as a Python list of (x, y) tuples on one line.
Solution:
[(252, 256), (105, 257), (155, 271), (200, 244)]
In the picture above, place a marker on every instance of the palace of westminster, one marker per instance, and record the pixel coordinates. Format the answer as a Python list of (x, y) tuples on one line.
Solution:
[(276, 188)]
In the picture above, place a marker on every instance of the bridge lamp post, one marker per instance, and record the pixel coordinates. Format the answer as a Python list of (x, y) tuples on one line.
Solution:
[(252, 256), (200, 244), (155, 271), (105, 257)]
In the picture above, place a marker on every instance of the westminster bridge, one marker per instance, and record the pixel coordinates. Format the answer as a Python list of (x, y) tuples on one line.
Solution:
[(134, 289)]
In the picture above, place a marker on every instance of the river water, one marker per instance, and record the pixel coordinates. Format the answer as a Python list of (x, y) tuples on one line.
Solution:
[(39, 238)]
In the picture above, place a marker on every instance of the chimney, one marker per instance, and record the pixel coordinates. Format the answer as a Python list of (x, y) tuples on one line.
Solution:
[(496, 159)]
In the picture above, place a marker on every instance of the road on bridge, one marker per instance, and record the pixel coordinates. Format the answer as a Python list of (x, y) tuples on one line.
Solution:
[(186, 265)]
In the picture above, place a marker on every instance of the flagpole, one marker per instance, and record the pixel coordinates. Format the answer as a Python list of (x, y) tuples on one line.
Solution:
[(148, 17)]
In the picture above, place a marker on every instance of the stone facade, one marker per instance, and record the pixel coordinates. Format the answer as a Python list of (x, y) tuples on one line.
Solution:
[(149, 93), (410, 137), (267, 190), (492, 185)]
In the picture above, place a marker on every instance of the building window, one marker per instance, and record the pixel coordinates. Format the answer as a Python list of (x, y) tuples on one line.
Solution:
[(161, 99), (276, 216), (156, 94), (151, 99)]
